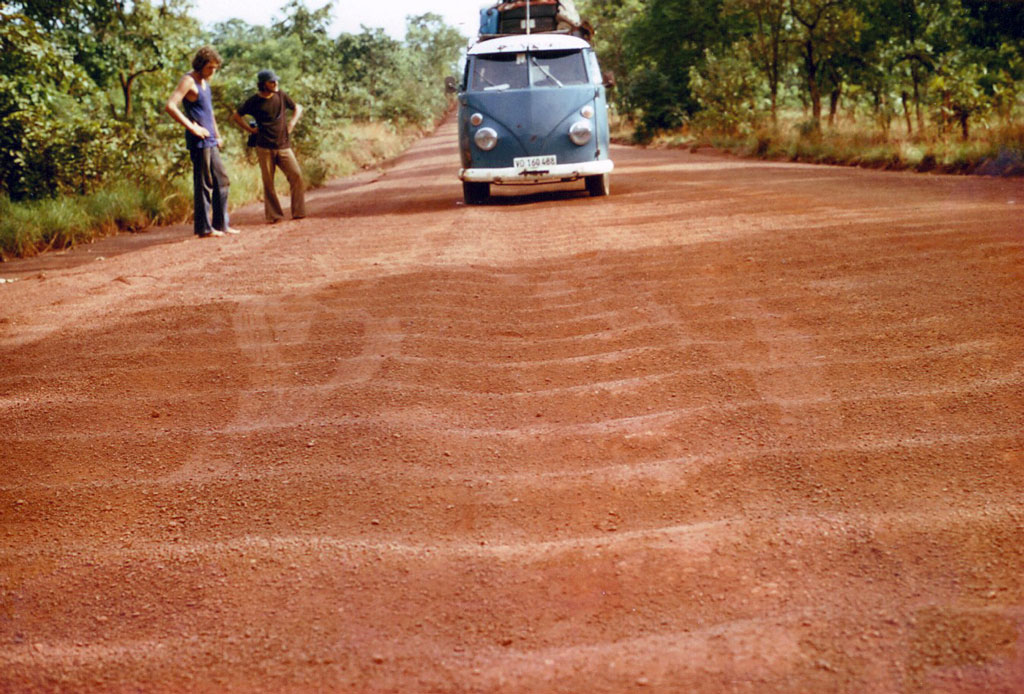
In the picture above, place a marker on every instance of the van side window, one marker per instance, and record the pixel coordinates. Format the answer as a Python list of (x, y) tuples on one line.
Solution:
[(595, 70)]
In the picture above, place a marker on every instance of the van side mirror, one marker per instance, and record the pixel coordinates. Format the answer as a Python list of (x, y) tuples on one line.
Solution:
[(450, 87), (609, 79)]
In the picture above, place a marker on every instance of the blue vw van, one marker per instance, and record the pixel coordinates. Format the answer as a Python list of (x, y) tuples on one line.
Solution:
[(532, 110)]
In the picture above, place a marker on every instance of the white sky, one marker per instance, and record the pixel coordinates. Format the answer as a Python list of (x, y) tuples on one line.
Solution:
[(390, 15)]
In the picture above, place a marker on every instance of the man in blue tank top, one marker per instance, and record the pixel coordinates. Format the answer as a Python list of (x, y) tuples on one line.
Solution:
[(210, 180)]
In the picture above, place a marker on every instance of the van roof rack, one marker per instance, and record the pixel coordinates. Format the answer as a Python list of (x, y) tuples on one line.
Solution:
[(583, 31)]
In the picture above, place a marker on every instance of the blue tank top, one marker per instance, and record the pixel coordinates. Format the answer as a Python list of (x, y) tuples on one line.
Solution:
[(200, 111)]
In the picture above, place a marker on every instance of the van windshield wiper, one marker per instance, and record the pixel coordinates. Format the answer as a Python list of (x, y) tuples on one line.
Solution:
[(491, 85)]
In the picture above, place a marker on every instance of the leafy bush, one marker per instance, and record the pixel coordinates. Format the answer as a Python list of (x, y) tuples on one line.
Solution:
[(731, 98)]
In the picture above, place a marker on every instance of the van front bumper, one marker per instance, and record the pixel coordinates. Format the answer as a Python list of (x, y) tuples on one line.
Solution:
[(547, 174)]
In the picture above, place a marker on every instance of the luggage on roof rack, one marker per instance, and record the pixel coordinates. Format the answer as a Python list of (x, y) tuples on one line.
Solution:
[(510, 17)]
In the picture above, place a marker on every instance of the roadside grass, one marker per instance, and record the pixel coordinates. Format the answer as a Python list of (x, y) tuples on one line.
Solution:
[(991, 150), (354, 148), (29, 228)]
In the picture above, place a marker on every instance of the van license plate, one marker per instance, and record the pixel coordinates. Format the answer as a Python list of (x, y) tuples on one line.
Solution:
[(528, 163)]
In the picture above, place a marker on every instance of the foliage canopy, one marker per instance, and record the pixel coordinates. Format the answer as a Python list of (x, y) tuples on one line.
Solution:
[(728, 65)]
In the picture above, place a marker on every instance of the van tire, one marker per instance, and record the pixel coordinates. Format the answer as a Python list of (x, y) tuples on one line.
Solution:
[(598, 186), (475, 193)]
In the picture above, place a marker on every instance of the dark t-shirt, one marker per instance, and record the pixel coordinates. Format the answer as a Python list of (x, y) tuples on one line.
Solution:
[(271, 121)]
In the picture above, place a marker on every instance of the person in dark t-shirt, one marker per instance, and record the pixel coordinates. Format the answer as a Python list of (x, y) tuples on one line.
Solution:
[(269, 109)]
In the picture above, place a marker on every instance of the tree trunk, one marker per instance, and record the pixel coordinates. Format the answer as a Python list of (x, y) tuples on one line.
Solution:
[(917, 103), (833, 104), (811, 66), (774, 78), (906, 113), (881, 113), (126, 89), (947, 101)]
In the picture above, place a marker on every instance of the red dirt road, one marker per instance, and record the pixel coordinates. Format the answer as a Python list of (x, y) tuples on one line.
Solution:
[(740, 427)]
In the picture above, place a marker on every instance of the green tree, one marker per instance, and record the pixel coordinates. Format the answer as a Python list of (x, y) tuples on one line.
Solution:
[(996, 27), (77, 116), (437, 44), (1007, 78), (824, 29), (434, 49), (117, 42), (36, 79), (52, 122), (612, 21), (729, 89), (368, 65), (668, 39), (766, 44), (310, 28), (910, 36), (959, 80)]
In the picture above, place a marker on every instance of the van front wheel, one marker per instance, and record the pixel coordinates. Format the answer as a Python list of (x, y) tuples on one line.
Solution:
[(598, 186), (475, 193)]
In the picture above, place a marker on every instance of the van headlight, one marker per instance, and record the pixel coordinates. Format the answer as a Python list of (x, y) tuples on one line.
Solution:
[(580, 132), (486, 139)]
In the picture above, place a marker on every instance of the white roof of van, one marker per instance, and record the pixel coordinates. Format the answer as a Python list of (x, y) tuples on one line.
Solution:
[(516, 43)]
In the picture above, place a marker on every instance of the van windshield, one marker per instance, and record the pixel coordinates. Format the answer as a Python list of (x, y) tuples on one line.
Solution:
[(498, 71)]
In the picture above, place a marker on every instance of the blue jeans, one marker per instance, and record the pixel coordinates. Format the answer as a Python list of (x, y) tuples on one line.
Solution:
[(210, 190)]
